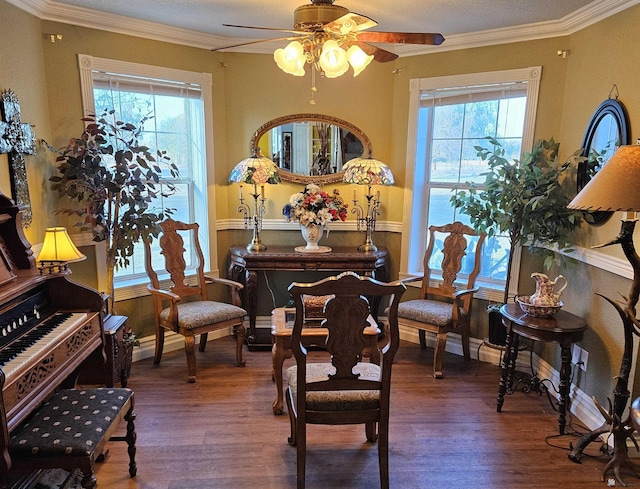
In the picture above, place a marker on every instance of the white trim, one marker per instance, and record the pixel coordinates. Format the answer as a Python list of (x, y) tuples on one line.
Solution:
[(283, 225), (413, 207), (617, 266), (202, 175), (94, 19)]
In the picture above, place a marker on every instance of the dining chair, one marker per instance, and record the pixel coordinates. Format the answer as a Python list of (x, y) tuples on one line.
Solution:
[(441, 307), (343, 390), (184, 307)]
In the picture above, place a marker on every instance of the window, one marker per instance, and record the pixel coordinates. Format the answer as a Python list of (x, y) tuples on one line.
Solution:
[(176, 103), (448, 116)]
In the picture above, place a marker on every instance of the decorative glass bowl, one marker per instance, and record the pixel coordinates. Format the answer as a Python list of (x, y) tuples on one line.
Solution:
[(537, 311)]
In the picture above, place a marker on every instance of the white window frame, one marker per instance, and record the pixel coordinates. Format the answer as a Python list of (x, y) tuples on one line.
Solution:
[(414, 202), (202, 213)]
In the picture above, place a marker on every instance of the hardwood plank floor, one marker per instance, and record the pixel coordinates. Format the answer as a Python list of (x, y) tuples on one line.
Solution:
[(220, 432)]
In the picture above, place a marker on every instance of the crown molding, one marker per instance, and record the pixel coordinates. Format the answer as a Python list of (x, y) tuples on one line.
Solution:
[(581, 18), (67, 14)]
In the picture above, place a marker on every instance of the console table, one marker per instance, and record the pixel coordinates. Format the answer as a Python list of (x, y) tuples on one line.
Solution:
[(564, 328), (245, 265)]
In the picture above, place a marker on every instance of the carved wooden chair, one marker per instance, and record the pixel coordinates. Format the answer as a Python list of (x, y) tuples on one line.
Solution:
[(197, 315), (344, 390), (442, 308)]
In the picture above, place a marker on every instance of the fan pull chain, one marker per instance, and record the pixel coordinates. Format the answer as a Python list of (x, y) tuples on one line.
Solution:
[(314, 89)]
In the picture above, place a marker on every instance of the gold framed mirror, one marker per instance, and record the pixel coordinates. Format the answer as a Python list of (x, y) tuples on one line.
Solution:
[(310, 148)]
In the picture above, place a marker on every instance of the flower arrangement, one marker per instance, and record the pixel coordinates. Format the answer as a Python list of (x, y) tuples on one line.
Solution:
[(315, 206)]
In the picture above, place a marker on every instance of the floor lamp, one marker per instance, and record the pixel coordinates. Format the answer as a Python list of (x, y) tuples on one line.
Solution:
[(615, 188)]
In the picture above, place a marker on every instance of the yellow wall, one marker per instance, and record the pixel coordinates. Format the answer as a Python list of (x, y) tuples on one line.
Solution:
[(22, 70), (248, 90)]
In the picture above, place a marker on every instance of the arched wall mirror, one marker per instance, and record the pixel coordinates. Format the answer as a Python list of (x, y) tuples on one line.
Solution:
[(310, 148), (607, 130)]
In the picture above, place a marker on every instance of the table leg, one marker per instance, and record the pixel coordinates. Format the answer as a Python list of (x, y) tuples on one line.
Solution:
[(565, 374), (278, 355), (513, 361), (505, 365), (251, 291)]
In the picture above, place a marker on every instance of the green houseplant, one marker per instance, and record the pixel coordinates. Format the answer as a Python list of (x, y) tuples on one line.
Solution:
[(113, 181), (523, 200)]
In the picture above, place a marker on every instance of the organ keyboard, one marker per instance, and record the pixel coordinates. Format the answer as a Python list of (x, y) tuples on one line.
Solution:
[(48, 326)]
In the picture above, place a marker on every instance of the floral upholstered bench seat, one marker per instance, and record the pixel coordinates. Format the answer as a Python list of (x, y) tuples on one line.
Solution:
[(71, 430)]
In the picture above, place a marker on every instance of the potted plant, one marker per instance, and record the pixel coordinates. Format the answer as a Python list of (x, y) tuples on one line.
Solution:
[(523, 200), (114, 181)]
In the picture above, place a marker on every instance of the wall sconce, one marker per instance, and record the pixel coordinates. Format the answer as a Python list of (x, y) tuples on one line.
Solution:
[(367, 171), (57, 251), (255, 171)]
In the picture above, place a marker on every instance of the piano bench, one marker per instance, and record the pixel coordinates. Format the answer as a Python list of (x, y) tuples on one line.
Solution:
[(72, 429)]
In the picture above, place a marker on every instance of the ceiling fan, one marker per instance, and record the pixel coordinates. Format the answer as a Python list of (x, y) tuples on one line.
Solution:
[(332, 38)]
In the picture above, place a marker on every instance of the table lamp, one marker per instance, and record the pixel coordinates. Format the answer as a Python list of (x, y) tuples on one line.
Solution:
[(257, 171), (57, 251), (616, 188), (367, 171)]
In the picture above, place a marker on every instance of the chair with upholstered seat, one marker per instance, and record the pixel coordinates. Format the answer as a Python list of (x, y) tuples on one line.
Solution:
[(184, 307), (442, 308), (344, 390)]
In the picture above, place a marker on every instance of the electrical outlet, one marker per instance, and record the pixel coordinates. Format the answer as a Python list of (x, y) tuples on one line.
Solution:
[(584, 358), (580, 357)]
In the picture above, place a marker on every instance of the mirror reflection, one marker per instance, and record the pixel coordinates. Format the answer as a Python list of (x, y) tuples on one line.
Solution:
[(310, 147)]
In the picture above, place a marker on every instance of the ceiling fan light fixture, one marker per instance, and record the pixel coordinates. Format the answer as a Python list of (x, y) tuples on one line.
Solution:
[(291, 58), (358, 59), (333, 59)]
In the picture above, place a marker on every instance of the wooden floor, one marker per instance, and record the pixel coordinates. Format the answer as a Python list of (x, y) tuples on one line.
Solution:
[(220, 432)]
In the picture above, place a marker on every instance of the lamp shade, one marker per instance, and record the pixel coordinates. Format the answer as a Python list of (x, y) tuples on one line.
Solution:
[(256, 170), (616, 186), (58, 247), (291, 58), (367, 171), (333, 59), (358, 59)]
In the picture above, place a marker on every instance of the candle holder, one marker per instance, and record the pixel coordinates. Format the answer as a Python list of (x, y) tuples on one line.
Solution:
[(255, 171), (366, 220), (259, 210)]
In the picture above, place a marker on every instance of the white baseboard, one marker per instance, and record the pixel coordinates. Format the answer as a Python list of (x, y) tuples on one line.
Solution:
[(581, 405), (172, 342)]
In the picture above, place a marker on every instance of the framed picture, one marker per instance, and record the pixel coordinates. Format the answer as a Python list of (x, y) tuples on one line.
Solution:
[(286, 151)]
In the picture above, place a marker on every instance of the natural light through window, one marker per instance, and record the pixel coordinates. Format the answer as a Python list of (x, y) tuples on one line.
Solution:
[(447, 122)]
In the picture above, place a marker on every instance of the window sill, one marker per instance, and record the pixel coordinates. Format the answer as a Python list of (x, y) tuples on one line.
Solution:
[(132, 289)]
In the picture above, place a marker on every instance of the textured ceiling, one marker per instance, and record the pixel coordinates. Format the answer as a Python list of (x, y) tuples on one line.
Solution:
[(445, 16), (199, 22)]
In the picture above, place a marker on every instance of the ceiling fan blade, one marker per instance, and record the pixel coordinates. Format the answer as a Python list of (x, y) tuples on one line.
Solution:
[(402, 37), (265, 28), (379, 54), (257, 42), (350, 22)]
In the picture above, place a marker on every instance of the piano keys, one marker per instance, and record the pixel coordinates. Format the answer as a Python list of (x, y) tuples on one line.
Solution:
[(49, 326)]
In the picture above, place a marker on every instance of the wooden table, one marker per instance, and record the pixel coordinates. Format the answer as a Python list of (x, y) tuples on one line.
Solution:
[(564, 328), (314, 335), (245, 265)]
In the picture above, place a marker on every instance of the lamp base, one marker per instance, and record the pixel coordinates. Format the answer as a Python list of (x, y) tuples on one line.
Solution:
[(256, 246), (367, 247)]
